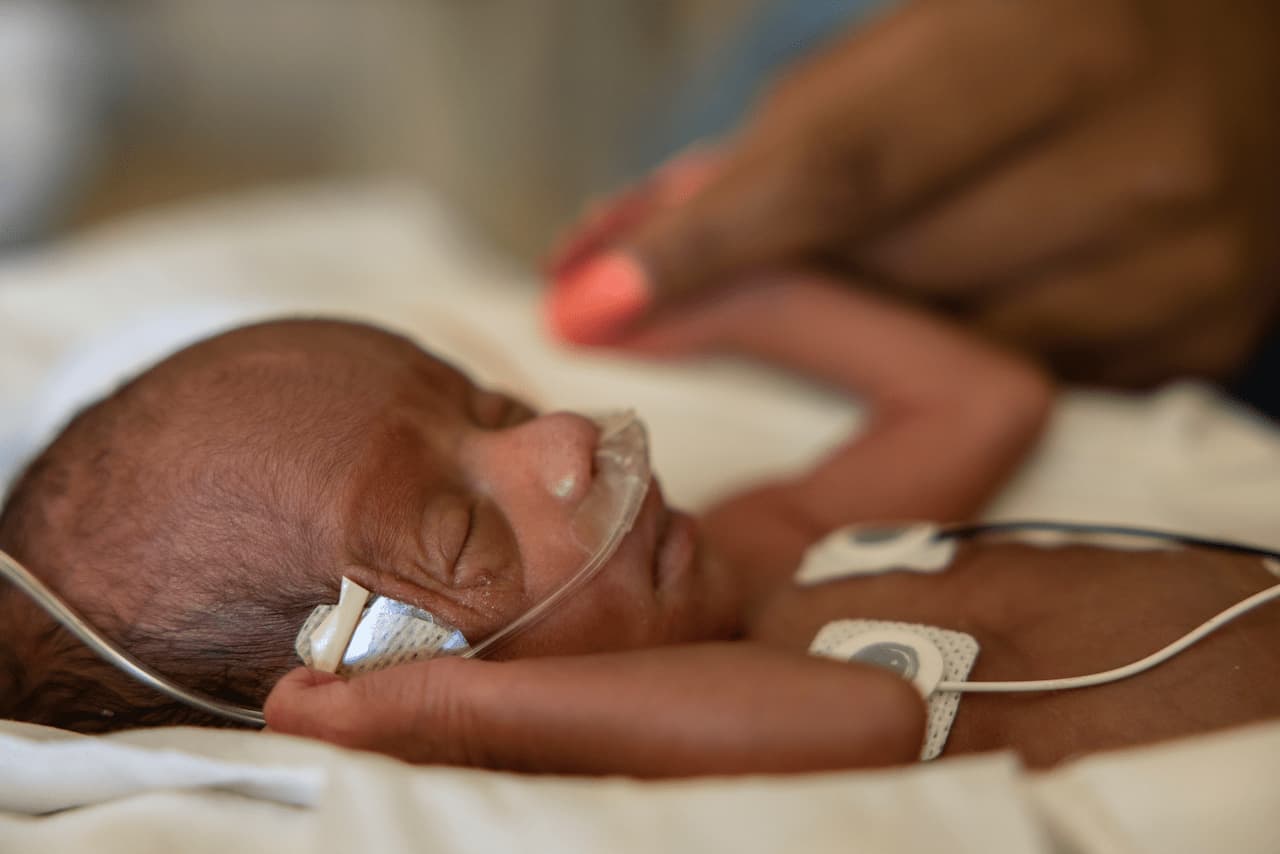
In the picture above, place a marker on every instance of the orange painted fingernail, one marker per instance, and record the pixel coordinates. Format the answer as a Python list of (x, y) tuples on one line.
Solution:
[(598, 300)]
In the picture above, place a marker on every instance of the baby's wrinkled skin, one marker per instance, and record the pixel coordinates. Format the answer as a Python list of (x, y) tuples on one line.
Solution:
[(455, 502), (1036, 613), (348, 451)]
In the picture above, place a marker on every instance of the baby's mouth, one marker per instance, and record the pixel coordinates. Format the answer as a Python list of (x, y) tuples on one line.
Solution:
[(675, 536)]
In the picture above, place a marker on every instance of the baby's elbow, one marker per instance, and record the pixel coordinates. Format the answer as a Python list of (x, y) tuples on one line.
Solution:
[(1008, 407), (1026, 396)]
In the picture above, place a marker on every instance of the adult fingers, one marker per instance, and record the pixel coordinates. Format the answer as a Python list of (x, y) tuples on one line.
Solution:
[(1214, 344), (1142, 168), (730, 224), (1115, 298), (875, 127), (672, 184)]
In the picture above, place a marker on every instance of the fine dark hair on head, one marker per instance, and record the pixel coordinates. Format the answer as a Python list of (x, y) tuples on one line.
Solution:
[(165, 519)]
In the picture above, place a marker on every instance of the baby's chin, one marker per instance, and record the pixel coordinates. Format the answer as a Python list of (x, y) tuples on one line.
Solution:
[(675, 553), (695, 595)]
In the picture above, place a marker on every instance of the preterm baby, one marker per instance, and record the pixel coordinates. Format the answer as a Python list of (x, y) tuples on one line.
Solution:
[(198, 514)]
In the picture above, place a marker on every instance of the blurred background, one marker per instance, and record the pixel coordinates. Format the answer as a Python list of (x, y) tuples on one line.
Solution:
[(169, 168), (513, 111), (142, 144)]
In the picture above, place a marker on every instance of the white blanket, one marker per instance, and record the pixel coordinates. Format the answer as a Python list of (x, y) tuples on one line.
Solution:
[(75, 320), (201, 790)]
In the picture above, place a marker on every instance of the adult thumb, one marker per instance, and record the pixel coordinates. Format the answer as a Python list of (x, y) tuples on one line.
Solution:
[(756, 212)]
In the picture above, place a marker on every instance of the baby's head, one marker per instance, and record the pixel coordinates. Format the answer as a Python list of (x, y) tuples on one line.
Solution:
[(198, 514)]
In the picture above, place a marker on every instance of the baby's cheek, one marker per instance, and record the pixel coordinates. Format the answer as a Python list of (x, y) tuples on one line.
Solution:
[(606, 614), (552, 556)]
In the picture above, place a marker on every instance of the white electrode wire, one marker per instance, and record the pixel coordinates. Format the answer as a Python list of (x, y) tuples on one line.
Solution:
[(1067, 683), (106, 650)]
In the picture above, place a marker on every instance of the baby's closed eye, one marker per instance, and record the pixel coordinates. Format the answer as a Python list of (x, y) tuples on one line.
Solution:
[(446, 528), (466, 542)]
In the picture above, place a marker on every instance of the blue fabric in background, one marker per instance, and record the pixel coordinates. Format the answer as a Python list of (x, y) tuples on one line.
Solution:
[(723, 90), (782, 31)]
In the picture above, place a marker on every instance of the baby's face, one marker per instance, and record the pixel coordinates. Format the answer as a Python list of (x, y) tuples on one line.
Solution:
[(461, 500)]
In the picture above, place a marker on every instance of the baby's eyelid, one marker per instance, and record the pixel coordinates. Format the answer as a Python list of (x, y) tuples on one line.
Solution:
[(465, 541), (448, 529), (480, 555)]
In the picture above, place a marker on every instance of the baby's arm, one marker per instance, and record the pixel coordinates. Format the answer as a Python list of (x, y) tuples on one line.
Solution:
[(950, 416), (664, 712)]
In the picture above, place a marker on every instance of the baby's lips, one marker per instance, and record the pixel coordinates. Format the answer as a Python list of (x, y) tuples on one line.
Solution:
[(597, 301)]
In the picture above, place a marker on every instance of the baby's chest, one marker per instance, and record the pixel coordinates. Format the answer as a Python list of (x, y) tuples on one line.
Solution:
[(1016, 598), (1040, 613)]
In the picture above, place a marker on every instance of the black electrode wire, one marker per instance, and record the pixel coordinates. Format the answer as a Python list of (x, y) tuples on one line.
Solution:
[(971, 531)]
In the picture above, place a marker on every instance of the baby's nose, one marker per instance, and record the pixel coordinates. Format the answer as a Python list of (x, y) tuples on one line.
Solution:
[(557, 450)]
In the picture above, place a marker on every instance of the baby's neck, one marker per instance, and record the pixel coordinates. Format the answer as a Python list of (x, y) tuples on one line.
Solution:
[(746, 564)]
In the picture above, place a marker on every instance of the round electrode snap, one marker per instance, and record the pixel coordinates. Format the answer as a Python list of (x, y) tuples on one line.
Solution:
[(911, 656)]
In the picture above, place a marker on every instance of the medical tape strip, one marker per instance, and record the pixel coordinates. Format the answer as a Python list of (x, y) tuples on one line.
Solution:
[(388, 633), (331, 635), (844, 639), (859, 550), (863, 549)]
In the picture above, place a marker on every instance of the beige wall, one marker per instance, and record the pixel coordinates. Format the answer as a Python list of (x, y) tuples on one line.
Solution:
[(513, 108)]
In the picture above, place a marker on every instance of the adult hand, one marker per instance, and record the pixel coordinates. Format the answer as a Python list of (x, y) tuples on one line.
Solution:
[(1094, 183)]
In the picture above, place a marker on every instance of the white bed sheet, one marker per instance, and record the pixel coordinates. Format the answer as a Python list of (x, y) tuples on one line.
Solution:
[(76, 319)]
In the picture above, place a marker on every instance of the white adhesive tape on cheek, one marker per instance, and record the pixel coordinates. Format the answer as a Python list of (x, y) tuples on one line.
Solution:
[(329, 639), (388, 632), (925, 655), (392, 632)]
